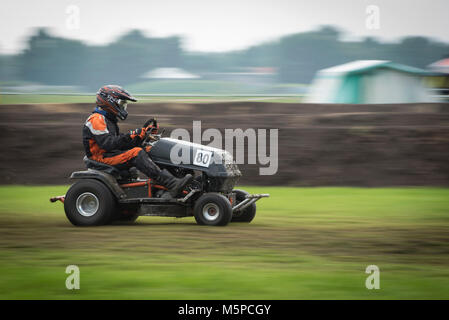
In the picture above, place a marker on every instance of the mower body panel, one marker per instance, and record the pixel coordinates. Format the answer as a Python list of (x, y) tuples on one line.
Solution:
[(216, 164)]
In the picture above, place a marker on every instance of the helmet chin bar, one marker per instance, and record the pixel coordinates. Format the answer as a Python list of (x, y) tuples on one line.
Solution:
[(122, 114)]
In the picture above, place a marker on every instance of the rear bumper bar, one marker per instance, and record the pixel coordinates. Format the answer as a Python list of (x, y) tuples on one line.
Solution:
[(250, 199), (58, 198)]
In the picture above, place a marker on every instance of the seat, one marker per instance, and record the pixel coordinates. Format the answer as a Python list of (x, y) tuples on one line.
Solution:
[(119, 174)]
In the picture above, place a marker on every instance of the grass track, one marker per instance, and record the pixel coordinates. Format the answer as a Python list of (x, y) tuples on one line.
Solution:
[(305, 243)]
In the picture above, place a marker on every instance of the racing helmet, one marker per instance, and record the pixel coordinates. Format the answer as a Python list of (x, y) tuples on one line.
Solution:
[(114, 99)]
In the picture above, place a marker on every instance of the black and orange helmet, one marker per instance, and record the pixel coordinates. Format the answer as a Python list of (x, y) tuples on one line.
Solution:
[(113, 99)]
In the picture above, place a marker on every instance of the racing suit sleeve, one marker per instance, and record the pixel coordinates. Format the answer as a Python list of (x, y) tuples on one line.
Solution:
[(109, 142), (106, 140), (130, 143)]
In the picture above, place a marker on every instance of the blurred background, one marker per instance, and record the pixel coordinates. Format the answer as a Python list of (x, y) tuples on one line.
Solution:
[(211, 48)]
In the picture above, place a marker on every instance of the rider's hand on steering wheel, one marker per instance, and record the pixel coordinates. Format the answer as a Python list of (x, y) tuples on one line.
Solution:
[(141, 133)]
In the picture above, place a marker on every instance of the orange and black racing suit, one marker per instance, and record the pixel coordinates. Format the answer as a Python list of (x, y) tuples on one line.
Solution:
[(104, 143)]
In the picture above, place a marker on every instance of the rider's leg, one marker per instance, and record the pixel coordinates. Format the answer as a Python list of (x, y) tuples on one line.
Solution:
[(139, 158), (164, 177)]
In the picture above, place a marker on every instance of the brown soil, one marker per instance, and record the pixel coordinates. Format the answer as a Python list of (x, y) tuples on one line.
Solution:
[(356, 145)]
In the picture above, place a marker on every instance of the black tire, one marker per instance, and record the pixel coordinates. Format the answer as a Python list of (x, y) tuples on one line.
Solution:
[(246, 215), (88, 192), (212, 209)]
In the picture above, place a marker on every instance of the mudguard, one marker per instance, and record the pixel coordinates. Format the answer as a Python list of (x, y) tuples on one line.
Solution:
[(104, 177)]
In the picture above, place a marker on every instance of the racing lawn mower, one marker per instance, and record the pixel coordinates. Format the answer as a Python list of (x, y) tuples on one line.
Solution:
[(103, 194)]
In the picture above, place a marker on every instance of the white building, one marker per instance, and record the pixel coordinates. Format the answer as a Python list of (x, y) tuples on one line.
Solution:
[(169, 73), (369, 81)]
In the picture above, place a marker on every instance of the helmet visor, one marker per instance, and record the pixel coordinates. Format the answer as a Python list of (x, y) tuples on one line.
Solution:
[(123, 104)]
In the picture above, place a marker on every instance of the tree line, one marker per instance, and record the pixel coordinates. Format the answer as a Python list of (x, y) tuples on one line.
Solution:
[(52, 60)]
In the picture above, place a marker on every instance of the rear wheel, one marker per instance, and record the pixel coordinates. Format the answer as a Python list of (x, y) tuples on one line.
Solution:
[(89, 203), (247, 214), (212, 209)]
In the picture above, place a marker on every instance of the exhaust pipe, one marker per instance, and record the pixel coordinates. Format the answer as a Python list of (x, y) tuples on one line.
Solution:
[(250, 199)]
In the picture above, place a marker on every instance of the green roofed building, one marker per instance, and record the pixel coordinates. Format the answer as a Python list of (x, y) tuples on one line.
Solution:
[(369, 81)]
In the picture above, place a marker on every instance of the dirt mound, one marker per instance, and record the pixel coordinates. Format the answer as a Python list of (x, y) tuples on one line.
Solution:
[(358, 145)]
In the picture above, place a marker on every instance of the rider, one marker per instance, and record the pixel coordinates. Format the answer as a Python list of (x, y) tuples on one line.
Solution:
[(104, 143)]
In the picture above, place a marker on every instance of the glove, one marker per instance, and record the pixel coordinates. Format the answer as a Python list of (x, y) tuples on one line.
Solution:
[(141, 132)]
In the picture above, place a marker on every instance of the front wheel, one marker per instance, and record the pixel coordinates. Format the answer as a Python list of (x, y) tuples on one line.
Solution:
[(247, 214), (212, 209), (89, 203)]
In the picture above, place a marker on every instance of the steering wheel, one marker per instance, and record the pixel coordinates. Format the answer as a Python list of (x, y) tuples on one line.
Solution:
[(154, 125), (152, 134)]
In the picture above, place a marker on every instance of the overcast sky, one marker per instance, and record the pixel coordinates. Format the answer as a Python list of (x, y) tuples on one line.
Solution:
[(217, 25)]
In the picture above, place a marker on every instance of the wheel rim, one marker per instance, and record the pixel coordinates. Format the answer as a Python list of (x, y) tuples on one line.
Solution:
[(87, 204), (211, 212)]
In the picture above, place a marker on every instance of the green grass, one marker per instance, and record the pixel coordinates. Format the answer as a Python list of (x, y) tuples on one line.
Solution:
[(305, 243)]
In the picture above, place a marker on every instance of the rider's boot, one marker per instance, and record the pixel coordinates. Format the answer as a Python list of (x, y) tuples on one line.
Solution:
[(174, 185)]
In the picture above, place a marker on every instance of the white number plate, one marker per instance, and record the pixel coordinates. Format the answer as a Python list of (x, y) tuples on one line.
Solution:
[(202, 158)]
